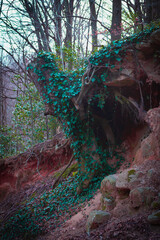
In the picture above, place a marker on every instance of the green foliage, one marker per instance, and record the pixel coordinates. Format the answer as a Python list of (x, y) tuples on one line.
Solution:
[(30, 221), (7, 139), (29, 121), (65, 85), (63, 200), (72, 168)]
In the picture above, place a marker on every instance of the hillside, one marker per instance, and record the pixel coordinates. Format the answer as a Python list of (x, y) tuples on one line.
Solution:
[(112, 123)]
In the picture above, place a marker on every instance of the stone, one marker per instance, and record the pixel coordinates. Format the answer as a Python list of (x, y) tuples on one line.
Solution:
[(155, 37), (147, 147), (107, 203), (153, 119), (108, 186), (96, 218), (154, 218), (142, 196), (126, 178)]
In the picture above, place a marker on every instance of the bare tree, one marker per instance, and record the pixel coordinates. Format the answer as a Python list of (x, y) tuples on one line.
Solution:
[(116, 20), (93, 16), (151, 10)]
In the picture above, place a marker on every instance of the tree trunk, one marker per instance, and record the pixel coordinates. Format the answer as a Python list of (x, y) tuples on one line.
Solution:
[(58, 25), (152, 10), (93, 23), (116, 20), (32, 11), (68, 11), (138, 11), (1, 97)]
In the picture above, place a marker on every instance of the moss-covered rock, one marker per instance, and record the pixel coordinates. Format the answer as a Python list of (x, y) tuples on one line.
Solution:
[(131, 174), (108, 186), (142, 196), (126, 179), (96, 218)]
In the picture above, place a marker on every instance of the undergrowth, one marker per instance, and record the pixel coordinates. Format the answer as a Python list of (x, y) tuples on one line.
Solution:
[(52, 207)]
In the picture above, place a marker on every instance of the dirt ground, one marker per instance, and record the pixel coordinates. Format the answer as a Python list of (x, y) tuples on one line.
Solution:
[(133, 228)]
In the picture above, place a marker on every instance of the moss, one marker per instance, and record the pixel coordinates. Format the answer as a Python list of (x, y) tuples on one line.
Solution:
[(74, 173), (56, 175), (72, 169), (130, 173), (155, 204), (157, 214)]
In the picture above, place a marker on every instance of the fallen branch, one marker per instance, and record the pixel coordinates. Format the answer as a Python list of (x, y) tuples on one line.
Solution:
[(68, 165)]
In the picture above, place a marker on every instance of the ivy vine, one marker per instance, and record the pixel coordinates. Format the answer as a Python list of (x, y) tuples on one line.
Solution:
[(64, 86)]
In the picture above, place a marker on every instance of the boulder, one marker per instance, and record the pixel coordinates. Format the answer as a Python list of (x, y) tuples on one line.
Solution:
[(108, 186), (127, 179), (96, 218), (154, 218), (148, 147), (142, 196)]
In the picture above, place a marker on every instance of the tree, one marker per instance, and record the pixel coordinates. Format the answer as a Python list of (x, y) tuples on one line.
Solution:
[(1, 97), (93, 23), (152, 10), (28, 117), (146, 10), (116, 20)]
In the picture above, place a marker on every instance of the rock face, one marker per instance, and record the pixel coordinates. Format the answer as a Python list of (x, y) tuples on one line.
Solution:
[(95, 219), (134, 189), (153, 119), (137, 188), (142, 196)]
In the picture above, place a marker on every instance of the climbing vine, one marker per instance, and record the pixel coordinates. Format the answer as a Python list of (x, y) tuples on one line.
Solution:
[(61, 88), (59, 91)]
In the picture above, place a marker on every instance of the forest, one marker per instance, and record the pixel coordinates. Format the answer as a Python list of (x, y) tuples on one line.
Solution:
[(79, 119)]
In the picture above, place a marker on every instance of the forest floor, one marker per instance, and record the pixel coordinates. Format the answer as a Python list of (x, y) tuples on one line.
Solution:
[(116, 229), (131, 228)]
